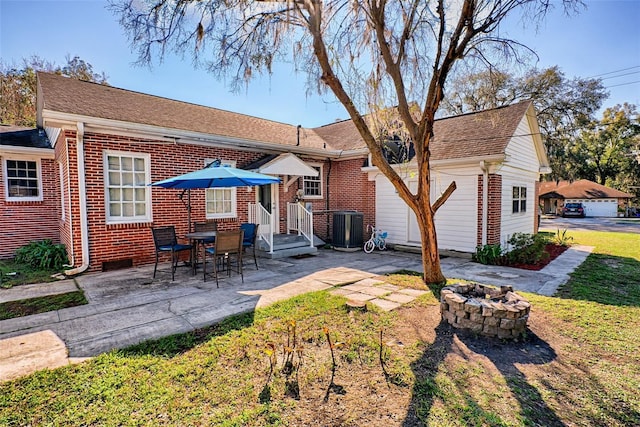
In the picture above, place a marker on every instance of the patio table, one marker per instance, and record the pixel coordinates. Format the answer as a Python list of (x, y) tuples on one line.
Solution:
[(198, 238)]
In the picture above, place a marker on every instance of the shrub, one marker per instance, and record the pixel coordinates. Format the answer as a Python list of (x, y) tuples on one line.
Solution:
[(527, 248), (489, 255), (42, 254), (561, 238)]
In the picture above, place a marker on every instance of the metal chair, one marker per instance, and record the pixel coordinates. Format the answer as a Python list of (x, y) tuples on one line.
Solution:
[(164, 239), (250, 239), (228, 245)]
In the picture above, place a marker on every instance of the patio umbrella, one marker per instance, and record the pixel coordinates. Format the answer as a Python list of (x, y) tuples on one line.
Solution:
[(215, 175)]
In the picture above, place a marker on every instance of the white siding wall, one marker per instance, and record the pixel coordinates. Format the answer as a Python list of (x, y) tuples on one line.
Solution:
[(520, 169), (456, 220)]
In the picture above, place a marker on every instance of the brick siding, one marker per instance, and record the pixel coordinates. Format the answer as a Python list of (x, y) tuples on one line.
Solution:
[(494, 213), (23, 222)]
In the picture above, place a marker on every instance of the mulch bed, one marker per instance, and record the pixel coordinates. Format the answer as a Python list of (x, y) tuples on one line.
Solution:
[(552, 249)]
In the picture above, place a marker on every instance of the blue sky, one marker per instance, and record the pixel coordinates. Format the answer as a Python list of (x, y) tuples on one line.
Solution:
[(601, 41)]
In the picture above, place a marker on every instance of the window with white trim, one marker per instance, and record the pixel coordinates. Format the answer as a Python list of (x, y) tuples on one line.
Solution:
[(128, 198), (519, 199), (312, 185), (22, 179), (221, 202)]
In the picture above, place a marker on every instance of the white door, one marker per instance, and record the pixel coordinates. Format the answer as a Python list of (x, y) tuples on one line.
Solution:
[(267, 196)]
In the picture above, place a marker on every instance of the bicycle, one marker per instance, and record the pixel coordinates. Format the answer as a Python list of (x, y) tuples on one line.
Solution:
[(377, 240)]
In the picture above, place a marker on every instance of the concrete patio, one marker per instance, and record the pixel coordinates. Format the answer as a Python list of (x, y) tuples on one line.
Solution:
[(128, 306)]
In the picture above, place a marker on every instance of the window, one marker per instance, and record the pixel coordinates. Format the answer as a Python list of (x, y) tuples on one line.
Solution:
[(22, 178), (221, 202), (127, 194), (519, 199), (312, 185)]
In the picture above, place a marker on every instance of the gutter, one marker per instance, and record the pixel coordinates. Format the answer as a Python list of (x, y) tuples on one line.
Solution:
[(82, 190), (485, 201)]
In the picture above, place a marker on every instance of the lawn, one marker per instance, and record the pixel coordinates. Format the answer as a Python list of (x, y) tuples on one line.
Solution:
[(579, 365)]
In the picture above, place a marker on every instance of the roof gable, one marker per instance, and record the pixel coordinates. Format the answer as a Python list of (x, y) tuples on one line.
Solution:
[(581, 189), (480, 134)]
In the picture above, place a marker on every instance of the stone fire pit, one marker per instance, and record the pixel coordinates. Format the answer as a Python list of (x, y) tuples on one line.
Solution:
[(485, 310)]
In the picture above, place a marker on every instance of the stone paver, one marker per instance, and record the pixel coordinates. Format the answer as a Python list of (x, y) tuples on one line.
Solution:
[(369, 282), (400, 298), (358, 296), (412, 292), (389, 287), (384, 304), (375, 291)]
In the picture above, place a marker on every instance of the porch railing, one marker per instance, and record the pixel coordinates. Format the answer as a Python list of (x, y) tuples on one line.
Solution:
[(259, 215), (300, 220)]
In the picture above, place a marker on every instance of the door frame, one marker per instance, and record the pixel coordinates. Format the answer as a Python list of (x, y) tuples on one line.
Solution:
[(275, 205)]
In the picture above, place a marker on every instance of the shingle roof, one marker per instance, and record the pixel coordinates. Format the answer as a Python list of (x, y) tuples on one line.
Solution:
[(73, 96), (581, 189), (483, 133), (18, 136)]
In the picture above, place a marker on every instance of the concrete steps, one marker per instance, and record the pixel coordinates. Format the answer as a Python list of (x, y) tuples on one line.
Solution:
[(287, 245)]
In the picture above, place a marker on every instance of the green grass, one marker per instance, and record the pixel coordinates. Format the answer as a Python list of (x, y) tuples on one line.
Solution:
[(579, 366), (24, 274), (27, 307), (611, 274)]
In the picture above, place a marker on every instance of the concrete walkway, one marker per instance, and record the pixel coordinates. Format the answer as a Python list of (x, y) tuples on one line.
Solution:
[(127, 306)]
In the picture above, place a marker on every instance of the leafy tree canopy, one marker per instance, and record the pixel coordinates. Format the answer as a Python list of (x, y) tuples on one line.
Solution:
[(18, 86), (562, 105), (606, 150)]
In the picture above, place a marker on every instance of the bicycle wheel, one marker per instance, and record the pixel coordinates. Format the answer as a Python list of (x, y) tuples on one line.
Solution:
[(382, 245), (369, 246)]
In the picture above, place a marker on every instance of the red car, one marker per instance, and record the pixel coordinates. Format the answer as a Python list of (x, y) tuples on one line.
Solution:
[(573, 209)]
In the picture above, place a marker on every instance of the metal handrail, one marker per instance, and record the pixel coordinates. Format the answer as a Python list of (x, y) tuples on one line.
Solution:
[(300, 220), (260, 216)]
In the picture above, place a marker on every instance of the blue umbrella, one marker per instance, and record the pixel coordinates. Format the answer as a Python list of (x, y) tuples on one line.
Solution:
[(215, 175)]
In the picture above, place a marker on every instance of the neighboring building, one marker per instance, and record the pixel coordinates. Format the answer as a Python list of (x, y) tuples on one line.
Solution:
[(105, 145), (598, 200), (30, 202)]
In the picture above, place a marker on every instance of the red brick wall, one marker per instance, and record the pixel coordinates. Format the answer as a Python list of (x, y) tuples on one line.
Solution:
[(494, 211), (113, 242), (350, 189), (22, 222)]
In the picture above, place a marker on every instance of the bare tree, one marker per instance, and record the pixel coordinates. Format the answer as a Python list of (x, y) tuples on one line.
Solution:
[(372, 54)]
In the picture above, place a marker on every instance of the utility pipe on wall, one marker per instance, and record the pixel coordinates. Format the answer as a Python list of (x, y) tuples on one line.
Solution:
[(82, 196)]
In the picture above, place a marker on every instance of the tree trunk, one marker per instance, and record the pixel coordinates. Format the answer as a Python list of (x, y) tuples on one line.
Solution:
[(430, 255)]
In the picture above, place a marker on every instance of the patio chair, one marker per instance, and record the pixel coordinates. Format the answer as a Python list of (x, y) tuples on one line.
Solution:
[(250, 239), (228, 245), (164, 239)]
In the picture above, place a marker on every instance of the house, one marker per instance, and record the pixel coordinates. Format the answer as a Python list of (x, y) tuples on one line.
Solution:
[(105, 145), (598, 200)]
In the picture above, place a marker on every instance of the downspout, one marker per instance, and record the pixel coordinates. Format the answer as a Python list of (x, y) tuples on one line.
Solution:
[(70, 216), (82, 196), (485, 201), (326, 199)]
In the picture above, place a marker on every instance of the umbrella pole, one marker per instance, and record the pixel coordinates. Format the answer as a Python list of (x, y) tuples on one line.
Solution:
[(189, 208)]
